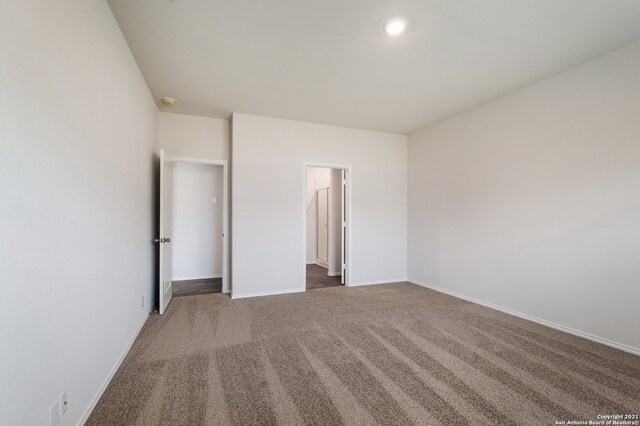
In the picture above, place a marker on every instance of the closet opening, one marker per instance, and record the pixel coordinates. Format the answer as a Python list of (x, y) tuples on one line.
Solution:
[(193, 228), (326, 226)]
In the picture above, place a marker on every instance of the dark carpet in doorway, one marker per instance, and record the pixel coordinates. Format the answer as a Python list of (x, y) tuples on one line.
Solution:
[(196, 287), (318, 277)]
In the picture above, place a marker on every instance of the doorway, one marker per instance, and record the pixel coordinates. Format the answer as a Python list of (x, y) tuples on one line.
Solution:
[(326, 226), (193, 228)]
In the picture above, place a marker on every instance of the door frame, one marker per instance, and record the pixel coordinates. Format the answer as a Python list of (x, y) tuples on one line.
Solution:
[(348, 179), (226, 288)]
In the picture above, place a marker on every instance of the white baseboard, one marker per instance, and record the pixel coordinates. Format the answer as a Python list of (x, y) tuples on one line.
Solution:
[(334, 274), (107, 380), (264, 293), (197, 277), (322, 263), (597, 339), (311, 262), (361, 283)]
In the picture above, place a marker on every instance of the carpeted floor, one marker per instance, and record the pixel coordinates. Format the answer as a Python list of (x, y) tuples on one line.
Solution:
[(392, 354)]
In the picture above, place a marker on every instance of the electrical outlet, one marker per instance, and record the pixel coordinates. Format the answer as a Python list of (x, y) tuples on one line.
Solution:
[(64, 403), (54, 414), (278, 276), (423, 271)]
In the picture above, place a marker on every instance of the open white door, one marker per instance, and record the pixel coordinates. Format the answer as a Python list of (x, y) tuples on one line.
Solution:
[(166, 210), (343, 234)]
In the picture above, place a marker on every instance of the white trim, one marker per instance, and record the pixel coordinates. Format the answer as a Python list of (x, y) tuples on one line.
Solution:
[(264, 293), (107, 380), (392, 281), (311, 263), (226, 286), (322, 263), (197, 160), (349, 178), (334, 274), (593, 338), (196, 277)]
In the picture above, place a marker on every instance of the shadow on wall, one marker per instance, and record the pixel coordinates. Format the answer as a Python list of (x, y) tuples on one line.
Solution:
[(155, 224)]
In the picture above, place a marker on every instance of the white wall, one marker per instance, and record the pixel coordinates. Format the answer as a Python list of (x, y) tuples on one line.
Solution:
[(268, 201), (317, 177), (532, 202), (335, 223), (194, 137), (322, 228), (197, 221), (77, 135)]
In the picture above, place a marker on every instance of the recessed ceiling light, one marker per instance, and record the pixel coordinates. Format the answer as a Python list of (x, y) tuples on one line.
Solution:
[(168, 101), (395, 27)]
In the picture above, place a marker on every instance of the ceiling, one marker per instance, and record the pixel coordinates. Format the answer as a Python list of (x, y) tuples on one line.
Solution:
[(329, 61)]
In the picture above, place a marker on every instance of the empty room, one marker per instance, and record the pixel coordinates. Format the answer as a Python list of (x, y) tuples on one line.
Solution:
[(260, 212)]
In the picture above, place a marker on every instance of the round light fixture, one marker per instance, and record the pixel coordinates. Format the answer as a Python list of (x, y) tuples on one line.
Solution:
[(395, 27), (168, 101)]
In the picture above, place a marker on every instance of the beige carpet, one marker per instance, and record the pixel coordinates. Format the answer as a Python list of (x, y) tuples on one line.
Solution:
[(393, 354)]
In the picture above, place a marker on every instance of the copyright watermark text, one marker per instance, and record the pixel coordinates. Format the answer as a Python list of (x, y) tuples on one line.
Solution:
[(605, 420)]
